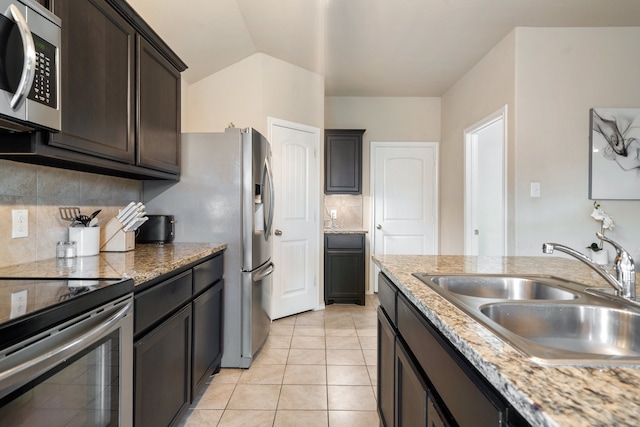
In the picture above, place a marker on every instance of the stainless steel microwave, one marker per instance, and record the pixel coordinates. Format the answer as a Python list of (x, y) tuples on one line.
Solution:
[(30, 37)]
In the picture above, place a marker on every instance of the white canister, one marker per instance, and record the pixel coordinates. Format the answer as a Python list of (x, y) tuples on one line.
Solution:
[(87, 240)]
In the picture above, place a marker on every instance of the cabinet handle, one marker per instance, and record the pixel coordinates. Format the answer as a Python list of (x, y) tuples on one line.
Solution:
[(278, 232), (379, 227)]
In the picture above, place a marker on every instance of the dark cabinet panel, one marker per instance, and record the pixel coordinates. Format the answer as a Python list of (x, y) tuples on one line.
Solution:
[(386, 369), (207, 336), (343, 161), (158, 110), (411, 392), (162, 372), (344, 268), (178, 341), (98, 63)]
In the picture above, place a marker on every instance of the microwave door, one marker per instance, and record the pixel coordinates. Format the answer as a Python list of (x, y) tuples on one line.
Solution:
[(18, 62)]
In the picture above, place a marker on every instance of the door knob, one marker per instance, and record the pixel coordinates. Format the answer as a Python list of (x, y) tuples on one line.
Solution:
[(379, 227), (278, 232)]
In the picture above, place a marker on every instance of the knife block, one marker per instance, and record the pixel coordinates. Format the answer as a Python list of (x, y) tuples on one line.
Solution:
[(114, 239)]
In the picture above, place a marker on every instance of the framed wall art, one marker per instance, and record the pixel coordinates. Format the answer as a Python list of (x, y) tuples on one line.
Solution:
[(614, 157)]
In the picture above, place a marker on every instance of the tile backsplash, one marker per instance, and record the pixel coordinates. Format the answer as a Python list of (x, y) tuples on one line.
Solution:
[(348, 208), (42, 191)]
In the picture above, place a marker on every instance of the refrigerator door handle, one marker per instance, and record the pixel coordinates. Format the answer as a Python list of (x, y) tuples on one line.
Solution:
[(268, 176), (264, 273)]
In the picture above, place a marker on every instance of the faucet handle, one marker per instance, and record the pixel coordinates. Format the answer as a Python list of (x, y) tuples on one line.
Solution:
[(619, 249), (624, 267)]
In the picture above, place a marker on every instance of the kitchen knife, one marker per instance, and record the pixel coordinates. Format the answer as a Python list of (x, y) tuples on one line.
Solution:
[(138, 213), (132, 212), (126, 210), (135, 224)]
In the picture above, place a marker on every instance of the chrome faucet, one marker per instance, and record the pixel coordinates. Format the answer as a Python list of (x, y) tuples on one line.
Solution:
[(625, 281)]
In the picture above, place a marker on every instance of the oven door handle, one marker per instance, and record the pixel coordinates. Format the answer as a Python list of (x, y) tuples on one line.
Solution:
[(29, 52), (43, 356)]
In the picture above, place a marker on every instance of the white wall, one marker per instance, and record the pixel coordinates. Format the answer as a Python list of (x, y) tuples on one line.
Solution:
[(549, 78), (250, 91), (485, 89), (561, 74)]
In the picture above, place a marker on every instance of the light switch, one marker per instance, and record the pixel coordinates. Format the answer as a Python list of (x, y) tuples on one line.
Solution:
[(535, 189)]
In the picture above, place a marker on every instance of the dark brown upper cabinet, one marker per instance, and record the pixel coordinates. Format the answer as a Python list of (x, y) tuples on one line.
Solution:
[(120, 97), (158, 118), (98, 66), (343, 161)]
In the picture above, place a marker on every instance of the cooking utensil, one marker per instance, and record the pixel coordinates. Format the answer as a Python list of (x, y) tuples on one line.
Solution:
[(69, 213)]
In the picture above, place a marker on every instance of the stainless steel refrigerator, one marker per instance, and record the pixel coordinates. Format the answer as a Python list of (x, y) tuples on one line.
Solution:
[(225, 194)]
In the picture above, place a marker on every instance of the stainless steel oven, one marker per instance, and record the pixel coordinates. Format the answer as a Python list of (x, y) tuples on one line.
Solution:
[(70, 364)]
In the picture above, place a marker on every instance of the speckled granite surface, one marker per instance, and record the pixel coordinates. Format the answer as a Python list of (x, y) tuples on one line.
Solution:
[(341, 231), (145, 263), (544, 395)]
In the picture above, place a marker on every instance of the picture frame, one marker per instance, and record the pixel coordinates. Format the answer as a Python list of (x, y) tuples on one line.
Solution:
[(614, 153)]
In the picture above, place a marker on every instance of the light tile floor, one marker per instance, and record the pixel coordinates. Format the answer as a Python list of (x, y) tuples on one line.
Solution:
[(316, 369)]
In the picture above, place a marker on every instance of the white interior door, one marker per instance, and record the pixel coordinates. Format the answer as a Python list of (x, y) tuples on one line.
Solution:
[(295, 244), (485, 187), (404, 180)]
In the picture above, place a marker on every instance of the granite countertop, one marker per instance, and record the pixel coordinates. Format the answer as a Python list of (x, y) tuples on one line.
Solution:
[(343, 231), (545, 395), (145, 263)]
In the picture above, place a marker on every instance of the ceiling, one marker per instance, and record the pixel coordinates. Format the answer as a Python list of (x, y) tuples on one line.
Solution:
[(364, 47)]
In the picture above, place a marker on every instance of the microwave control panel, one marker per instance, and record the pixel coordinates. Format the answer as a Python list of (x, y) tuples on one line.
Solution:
[(44, 89)]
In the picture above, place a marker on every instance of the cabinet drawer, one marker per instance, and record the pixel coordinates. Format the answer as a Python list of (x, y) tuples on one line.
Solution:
[(344, 241), (207, 273), (387, 296), (161, 300), (469, 401)]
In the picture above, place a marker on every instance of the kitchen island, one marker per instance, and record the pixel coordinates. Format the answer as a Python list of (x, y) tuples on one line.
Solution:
[(543, 395)]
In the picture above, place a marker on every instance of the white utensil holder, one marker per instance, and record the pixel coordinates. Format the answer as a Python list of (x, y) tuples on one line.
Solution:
[(87, 240), (114, 239)]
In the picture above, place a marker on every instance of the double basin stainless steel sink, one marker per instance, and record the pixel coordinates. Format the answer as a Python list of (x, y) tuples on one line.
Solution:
[(548, 319)]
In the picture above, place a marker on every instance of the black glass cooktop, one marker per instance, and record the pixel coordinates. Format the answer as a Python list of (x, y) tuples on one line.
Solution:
[(28, 305)]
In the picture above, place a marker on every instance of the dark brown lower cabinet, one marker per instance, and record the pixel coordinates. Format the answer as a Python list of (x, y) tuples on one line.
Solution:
[(386, 369), (344, 268), (178, 341), (411, 391), (423, 380), (207, 336), (163, 366)]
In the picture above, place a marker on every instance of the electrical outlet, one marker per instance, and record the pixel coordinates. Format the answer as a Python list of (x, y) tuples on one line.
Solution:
[(334, 214), (19, 223), (18, 304)]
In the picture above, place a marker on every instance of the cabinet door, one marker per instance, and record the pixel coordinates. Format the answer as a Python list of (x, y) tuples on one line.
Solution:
[(344, 268), (343, 161), (98, 63), (411, 391), (386, 369), (163, 372), (207, 336), (158, 110)]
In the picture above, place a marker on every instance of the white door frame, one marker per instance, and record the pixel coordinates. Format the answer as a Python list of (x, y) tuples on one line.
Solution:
[(271, 122), (373, 269), (470, 136)]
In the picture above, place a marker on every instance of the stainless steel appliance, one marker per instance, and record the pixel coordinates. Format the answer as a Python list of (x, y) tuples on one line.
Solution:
[(225, 195), (30, 38), (66, 352)]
